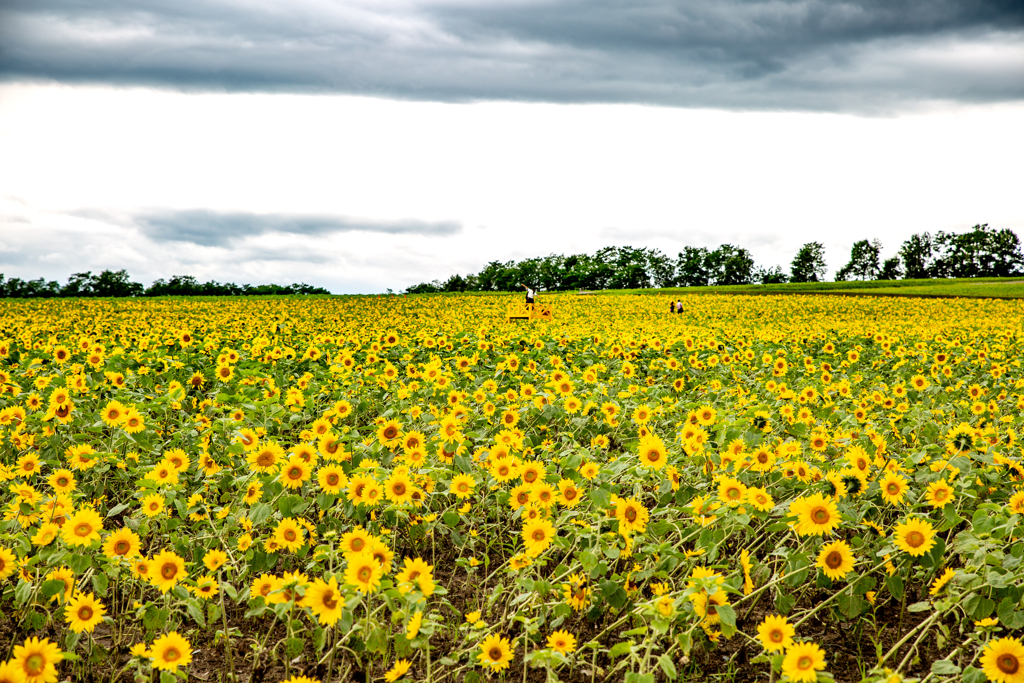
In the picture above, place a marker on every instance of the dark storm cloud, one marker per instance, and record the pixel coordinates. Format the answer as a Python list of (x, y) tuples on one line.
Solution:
[(778, 54), (219, 229)]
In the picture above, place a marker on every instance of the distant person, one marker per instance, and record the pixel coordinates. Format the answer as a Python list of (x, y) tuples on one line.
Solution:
[(679, 306), (671, 306), (530, 294)]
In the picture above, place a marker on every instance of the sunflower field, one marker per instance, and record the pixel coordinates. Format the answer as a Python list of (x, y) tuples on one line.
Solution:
[(797, 488)]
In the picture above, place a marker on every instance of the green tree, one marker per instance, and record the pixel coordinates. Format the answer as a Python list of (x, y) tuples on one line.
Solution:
[(808, 264), (864, 261), (916, 254)]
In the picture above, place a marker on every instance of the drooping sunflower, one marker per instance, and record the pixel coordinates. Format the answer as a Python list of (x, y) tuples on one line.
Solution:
[(803, 661), (940, 581), (816, 514), (775, 633), (1003, 660), (399, 669), (836, 559), (915, 537), (8, 563), (171, 651), (495, 652), (576, 592)]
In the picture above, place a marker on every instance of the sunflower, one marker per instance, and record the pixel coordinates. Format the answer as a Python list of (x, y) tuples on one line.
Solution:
[(652, 452), (775, 633), (215, 559), (576, 593), (569, 494), (803, 661), (153, 505), (356, 541), (531, 472), (8, 563), (462, 485), (262, 585), (295, 472), (82, 527), (1003, 660), (940, 581), (760, 499), (37, 659), (253, 493), (132, 422), (632, 516), (412, 572), (915, 537), (589, 470), (363, 572), (331, 478), (325, 600), (382, 553), (167, 570), (537, 536), (836, 559), (399, 669), (562, 642), (389, 434), (816, 515), (398, 488), (122, 543), (893, 487), (83, 612), (288, 534), (265, 458), (1016, 503), (170, 651), (731, 491), (495, 652), (47, 534), (939, 493)]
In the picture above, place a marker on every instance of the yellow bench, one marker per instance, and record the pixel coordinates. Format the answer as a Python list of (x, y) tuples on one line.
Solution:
[(522, 311)]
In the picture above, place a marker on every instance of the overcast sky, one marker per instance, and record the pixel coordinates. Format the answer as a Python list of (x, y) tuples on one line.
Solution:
[(362, 146)]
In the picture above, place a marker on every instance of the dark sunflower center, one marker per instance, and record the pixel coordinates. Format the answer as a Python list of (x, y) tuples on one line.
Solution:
[(915, 539), (169, 571), (820, 515), (804, 663), (83, 530), (122, 547), (85, 613), (834, 560), (34, 664), (398, 489), (330, 602), (1008, 664), (172, 655), (630, 515), (290, 535), (494, 654)]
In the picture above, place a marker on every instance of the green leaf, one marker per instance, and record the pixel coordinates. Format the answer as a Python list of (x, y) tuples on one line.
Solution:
[(973, 675), (195, 611), (602, 497), (260, 513), (614, 594), (668, 667), (620, 649), (79, 563), (1009, 615), (895, 586), (464, 464), (116, 509), (944, 667), (727, 614), (49, 588), (291, 506), (920, 607), (99, 584)]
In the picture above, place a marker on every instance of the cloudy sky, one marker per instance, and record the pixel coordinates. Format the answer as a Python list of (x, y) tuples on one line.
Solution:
[(369, 145)]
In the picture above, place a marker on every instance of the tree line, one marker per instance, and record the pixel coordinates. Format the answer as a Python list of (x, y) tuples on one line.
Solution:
[(118, 284), (979, 252)]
